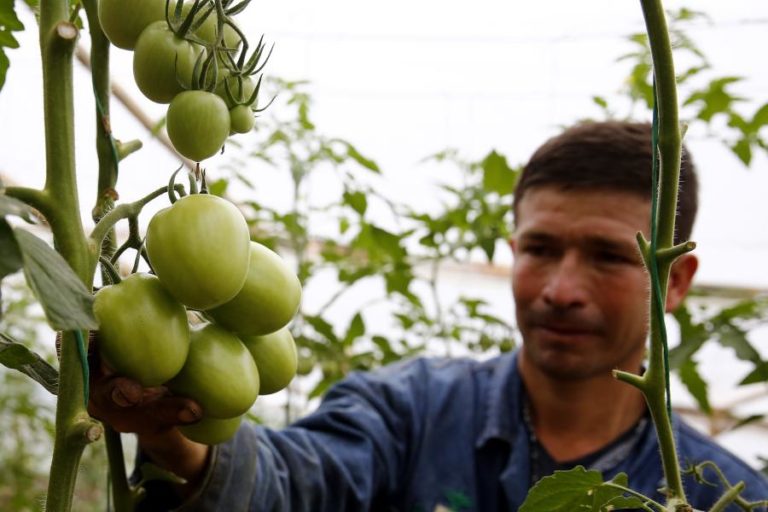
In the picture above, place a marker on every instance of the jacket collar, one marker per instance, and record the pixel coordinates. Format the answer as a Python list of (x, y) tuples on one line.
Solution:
[(501, 400)]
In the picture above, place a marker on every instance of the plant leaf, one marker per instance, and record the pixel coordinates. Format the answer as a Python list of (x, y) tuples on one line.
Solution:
[(10, 255), (12, 206), (578, 489), (355, 155), (9, 22), (357, 201), (322, 327), (759, 374), (697, 386), (498, 176), (356, 329), (16, 356), (67, 303)]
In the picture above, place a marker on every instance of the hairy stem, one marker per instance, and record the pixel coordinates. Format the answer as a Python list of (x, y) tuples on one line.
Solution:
[(669, 152), (74, 429)]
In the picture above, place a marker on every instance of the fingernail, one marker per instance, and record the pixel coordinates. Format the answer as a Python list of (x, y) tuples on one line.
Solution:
[(120, 399), (188, 415)]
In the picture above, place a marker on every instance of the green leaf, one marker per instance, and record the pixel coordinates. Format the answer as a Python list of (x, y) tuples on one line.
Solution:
[(600, 101), (733, 337), (10, 255), (67, 303), (697, 386), (498, 176), (16, 356), (752, 418), (743, 150), (488, 245), (304, 117), (357, 201), (355, 155), (4, 65), (12, 206), (715, 99), (7, 40), (578, 489), (760, 118), (322, 327), (218, 187), (355, 331), (759, 374)]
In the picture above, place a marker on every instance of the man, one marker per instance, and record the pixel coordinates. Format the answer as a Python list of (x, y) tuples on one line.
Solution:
[(467, 435)]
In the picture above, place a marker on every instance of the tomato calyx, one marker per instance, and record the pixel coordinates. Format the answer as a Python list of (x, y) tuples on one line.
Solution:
[(183, 24)]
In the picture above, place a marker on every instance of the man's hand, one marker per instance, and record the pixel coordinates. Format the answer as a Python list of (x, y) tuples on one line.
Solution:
[(153, 415)]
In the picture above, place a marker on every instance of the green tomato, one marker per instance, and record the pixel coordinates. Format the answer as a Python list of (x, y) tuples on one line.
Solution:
[(199, 249), (197, 124), (276, 359), (207, 32), (162, 62), (123, 20), (241, 119), (219, 373), (267, 301), (212, 430), (143, 330), (240, 89)]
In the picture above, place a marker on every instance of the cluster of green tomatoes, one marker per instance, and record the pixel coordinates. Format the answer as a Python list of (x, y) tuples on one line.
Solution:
[(205, 266), (192, 56)]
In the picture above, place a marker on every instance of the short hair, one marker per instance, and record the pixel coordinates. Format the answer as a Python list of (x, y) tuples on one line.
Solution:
[(609, 155)]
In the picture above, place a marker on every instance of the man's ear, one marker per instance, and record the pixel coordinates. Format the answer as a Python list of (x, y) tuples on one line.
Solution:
[(680, 279)]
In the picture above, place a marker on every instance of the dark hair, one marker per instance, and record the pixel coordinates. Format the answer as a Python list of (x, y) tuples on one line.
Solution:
[(611, 155)]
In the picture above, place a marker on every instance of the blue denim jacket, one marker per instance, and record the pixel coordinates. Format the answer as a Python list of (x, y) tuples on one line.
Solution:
[(420, 434)]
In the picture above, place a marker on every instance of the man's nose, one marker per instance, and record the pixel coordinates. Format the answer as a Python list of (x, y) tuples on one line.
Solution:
[(566, 283)]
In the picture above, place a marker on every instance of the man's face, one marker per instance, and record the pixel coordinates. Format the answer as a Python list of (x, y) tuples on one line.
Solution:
[(579, 284)]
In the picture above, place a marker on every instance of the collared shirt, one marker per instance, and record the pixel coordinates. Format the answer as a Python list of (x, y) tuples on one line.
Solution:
[(423, 435)]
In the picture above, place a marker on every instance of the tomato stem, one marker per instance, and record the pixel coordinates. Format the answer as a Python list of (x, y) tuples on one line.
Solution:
[(109, 270), (653, 384), (74, 430), (124, 211), (124, 497)]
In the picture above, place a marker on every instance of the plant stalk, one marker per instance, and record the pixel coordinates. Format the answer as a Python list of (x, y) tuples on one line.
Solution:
[(74, 429), (669, 152)]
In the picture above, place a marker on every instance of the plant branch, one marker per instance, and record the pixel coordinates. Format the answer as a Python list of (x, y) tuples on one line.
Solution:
[(728, 497), (123, 211), (37, 199), (74, 430), (124, 498)]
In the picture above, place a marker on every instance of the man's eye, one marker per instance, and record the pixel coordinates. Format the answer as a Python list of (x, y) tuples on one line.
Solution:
[(612, 257), (538, 250)]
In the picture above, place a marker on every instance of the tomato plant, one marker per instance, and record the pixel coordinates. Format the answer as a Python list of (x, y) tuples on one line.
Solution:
[(267, 301), (199, 249), (219, 373), (142, 323), (143, 331), (276, 359), (198, 124), (163, 62), (212, 430)]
